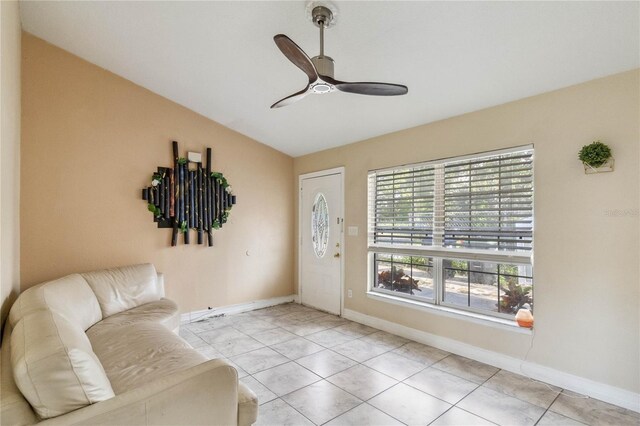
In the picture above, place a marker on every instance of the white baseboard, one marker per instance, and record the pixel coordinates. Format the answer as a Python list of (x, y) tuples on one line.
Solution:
[(235, 309), (601, 391)]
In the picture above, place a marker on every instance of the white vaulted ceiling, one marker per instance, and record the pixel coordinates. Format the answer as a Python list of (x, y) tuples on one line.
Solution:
[(219, 58)]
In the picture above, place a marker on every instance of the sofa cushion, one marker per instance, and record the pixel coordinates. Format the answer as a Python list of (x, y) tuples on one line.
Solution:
[(140, 352), (70, 297), (163, 311), (127, 287), (54, 366)]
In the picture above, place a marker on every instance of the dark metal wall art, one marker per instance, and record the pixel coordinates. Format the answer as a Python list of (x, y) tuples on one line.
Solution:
[(189, 196)]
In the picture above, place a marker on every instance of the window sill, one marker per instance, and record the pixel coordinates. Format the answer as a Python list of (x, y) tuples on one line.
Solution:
[(486, 320)]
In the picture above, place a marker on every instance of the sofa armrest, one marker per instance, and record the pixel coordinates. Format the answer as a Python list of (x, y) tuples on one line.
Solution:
[(204, 394)]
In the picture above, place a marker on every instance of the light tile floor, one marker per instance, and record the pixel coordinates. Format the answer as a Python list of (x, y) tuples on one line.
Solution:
[(308, 367)]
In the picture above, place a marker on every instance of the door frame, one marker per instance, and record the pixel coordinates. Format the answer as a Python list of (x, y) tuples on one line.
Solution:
[(321, 173)]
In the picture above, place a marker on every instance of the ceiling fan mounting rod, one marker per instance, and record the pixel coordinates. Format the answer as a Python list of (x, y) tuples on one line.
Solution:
[(321, 38), (322, 17)]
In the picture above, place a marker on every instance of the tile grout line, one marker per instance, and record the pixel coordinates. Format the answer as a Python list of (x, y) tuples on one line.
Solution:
[(476, 388), (545, 411), (446, 411), (505, 394), (440, 399), (294, 409), (366, 403), (427, 393)]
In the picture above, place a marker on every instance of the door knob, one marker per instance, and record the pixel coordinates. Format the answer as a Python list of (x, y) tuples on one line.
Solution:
[(336, 255)]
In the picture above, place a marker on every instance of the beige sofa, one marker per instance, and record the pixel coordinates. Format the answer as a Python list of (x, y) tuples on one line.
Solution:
[(102, 348)]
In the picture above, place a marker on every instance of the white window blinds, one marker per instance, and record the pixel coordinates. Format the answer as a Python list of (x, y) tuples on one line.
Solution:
[(488, 202), (483, 201), (403, 205)]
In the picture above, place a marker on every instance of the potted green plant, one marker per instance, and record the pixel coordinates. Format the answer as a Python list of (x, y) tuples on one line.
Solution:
[(596, 158)]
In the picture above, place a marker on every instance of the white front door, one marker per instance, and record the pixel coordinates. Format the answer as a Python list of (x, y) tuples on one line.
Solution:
[(320, 230)]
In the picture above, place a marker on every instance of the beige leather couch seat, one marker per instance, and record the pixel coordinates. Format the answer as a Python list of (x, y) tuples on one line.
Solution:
[(163, 311), (103, 348)]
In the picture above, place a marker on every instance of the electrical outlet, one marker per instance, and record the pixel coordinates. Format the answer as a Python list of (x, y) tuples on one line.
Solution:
[(349, 293)]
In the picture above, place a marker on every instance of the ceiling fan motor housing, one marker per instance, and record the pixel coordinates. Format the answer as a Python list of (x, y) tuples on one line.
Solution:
[(324, 65)]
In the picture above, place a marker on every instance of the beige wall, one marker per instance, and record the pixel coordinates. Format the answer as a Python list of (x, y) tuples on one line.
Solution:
[(586, 260), (90, 141), (9, 154)]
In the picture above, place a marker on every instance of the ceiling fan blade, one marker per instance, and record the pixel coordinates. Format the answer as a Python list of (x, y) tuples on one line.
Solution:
[(375, 89), (291, 99), (295, 54)]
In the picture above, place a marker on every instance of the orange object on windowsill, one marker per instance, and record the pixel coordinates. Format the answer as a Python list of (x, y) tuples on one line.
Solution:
[(524, 318)]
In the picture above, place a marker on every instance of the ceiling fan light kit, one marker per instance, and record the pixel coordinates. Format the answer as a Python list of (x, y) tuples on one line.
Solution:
[(320, 68)]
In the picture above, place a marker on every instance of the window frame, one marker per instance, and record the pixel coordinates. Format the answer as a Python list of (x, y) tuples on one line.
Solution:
[(439, 253)]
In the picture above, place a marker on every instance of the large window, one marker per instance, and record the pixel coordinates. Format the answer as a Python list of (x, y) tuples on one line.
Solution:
[(456, 232)]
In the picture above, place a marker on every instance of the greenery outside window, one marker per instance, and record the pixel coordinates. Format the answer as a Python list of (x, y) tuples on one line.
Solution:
[(456, 232)]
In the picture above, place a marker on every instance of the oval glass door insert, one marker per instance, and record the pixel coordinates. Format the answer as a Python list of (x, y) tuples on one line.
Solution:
[(320, 225)]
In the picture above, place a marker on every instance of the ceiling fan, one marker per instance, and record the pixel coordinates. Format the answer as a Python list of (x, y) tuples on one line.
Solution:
[(319, 69)]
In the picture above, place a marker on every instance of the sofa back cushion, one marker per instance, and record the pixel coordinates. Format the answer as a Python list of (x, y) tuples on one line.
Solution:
[(70, 297), (54, 365), (127, 287)]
